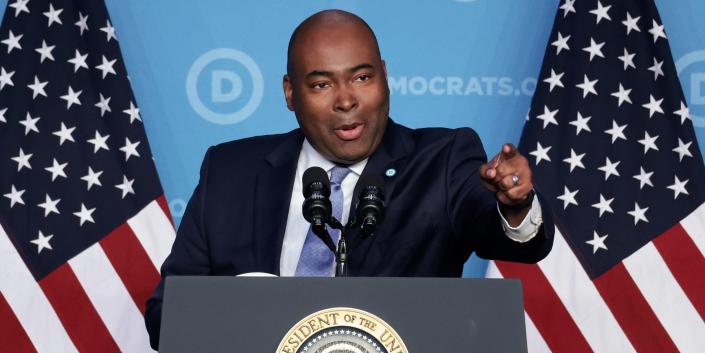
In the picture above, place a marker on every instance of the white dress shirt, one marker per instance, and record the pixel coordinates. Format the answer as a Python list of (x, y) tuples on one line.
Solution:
[(297, 227)]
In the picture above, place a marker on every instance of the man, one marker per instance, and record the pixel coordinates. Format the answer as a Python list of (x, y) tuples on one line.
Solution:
[(443, 200)]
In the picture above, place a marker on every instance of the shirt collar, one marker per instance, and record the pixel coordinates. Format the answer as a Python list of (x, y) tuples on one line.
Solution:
[(313, 158)]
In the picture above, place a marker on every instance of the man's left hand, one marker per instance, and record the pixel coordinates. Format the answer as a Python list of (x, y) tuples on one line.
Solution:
[(508, 175)]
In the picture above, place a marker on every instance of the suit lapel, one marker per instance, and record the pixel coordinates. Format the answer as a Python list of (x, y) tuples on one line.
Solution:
[(396, 145), (272, 198)]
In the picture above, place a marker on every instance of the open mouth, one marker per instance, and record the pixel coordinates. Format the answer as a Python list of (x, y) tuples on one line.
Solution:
[(349, 132)]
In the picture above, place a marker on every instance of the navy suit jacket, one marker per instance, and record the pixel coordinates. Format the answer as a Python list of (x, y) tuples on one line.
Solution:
[(437, 212)]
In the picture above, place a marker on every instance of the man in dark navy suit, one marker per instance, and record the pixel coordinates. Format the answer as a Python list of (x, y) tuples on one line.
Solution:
[(443, 199)]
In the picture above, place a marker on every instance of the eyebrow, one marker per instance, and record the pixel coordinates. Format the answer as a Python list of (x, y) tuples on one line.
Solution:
[(330, 74)]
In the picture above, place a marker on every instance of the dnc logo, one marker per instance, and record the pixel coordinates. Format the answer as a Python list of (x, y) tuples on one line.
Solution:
[(224, 86), (691, 70)]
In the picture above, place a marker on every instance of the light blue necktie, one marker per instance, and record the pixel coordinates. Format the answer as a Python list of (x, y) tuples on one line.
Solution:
[(316, 259)]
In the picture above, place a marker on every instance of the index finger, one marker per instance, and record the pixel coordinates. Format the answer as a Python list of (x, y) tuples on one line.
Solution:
[(508, 151)]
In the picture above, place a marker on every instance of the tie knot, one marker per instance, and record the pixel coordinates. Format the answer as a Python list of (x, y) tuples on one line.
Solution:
[(338, 173)]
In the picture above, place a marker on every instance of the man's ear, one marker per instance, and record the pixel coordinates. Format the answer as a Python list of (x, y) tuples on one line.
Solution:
[(384, 68), (288, 92)]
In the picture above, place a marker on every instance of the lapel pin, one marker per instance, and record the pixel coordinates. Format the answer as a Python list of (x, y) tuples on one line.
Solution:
[(390, 172)]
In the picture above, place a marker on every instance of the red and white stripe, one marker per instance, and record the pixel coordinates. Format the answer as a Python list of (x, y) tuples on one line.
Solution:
[(654, 301), (92, 303)]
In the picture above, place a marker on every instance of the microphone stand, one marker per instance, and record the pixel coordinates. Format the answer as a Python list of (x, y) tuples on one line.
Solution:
[(341, 256), (341, 253)]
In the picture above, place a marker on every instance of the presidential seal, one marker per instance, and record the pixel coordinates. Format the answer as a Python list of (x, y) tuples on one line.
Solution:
[(341, 330)]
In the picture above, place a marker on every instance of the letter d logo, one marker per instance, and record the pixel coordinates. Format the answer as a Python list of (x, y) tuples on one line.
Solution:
[(225, 86)]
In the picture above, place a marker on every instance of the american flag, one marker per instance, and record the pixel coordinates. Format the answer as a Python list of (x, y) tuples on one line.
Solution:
[(84, 225), (612, 146)]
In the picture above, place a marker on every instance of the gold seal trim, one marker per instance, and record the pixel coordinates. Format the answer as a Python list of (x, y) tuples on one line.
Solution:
[(313, 327)]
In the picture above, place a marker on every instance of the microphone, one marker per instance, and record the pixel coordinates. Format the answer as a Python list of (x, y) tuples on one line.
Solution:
[(317, 208), (370, 206)]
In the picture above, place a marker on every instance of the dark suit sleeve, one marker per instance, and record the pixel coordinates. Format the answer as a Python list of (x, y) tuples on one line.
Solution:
[(189, 254), (473, 213)]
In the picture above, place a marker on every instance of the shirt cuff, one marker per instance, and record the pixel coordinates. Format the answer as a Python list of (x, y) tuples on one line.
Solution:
[(528, 228)]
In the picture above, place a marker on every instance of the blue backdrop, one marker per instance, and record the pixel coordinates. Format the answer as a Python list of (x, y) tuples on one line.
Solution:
[(204, 72)]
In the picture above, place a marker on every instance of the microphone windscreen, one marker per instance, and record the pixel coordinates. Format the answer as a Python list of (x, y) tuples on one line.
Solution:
[(315, 174)]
